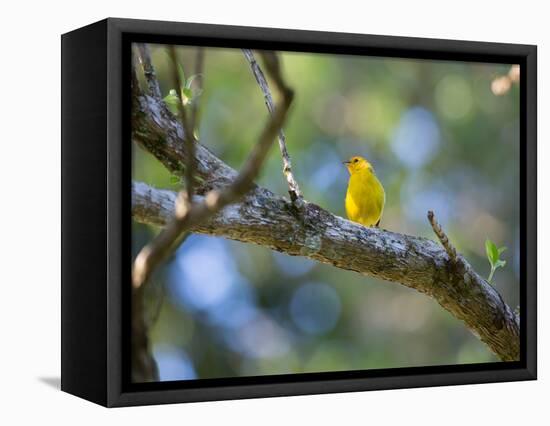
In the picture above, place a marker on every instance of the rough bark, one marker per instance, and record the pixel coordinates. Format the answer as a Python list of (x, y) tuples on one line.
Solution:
[(189, 213), (269, 220), (272, 221)]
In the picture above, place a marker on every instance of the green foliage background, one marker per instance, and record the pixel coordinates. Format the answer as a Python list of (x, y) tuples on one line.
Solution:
[(438, 138)]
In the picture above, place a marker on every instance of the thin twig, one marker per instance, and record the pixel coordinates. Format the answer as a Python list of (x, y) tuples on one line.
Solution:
[(149, 70), (189, 138), (199, 65), (503, 83), (271, 61), (449, 248), (190, 214)]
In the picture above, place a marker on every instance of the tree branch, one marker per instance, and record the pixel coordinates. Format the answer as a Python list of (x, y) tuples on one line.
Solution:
[(154, 128), (189, 214), (503, 83), (144, 368), (264, 218), (293, 187), (149, 71), (268, 220)]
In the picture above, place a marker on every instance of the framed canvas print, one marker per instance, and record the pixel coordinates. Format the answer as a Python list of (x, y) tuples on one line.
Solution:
[(251, 212)]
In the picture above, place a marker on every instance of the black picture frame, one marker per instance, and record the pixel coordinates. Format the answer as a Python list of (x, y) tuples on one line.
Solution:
[(96, 211)]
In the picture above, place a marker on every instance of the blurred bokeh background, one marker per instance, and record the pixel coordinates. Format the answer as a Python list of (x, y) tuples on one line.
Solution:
[(439, 138)]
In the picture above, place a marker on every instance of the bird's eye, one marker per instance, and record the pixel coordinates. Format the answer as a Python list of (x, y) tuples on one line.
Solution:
[(356, 160)]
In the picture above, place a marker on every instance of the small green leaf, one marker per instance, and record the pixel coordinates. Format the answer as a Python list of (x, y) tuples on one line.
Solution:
[(172, 101), (171, 97), (174, 180), (493, 255), (187, 95), (500, 264), (492, 251), (488, 250), (190, 80)]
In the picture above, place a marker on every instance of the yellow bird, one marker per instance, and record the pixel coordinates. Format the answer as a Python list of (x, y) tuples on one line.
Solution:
[(365, 197)]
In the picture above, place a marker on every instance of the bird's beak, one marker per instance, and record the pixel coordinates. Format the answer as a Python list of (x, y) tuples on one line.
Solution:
[(345, 162)]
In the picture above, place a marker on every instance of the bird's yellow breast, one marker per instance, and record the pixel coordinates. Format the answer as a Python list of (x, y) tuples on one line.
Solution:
[(365, 198)]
